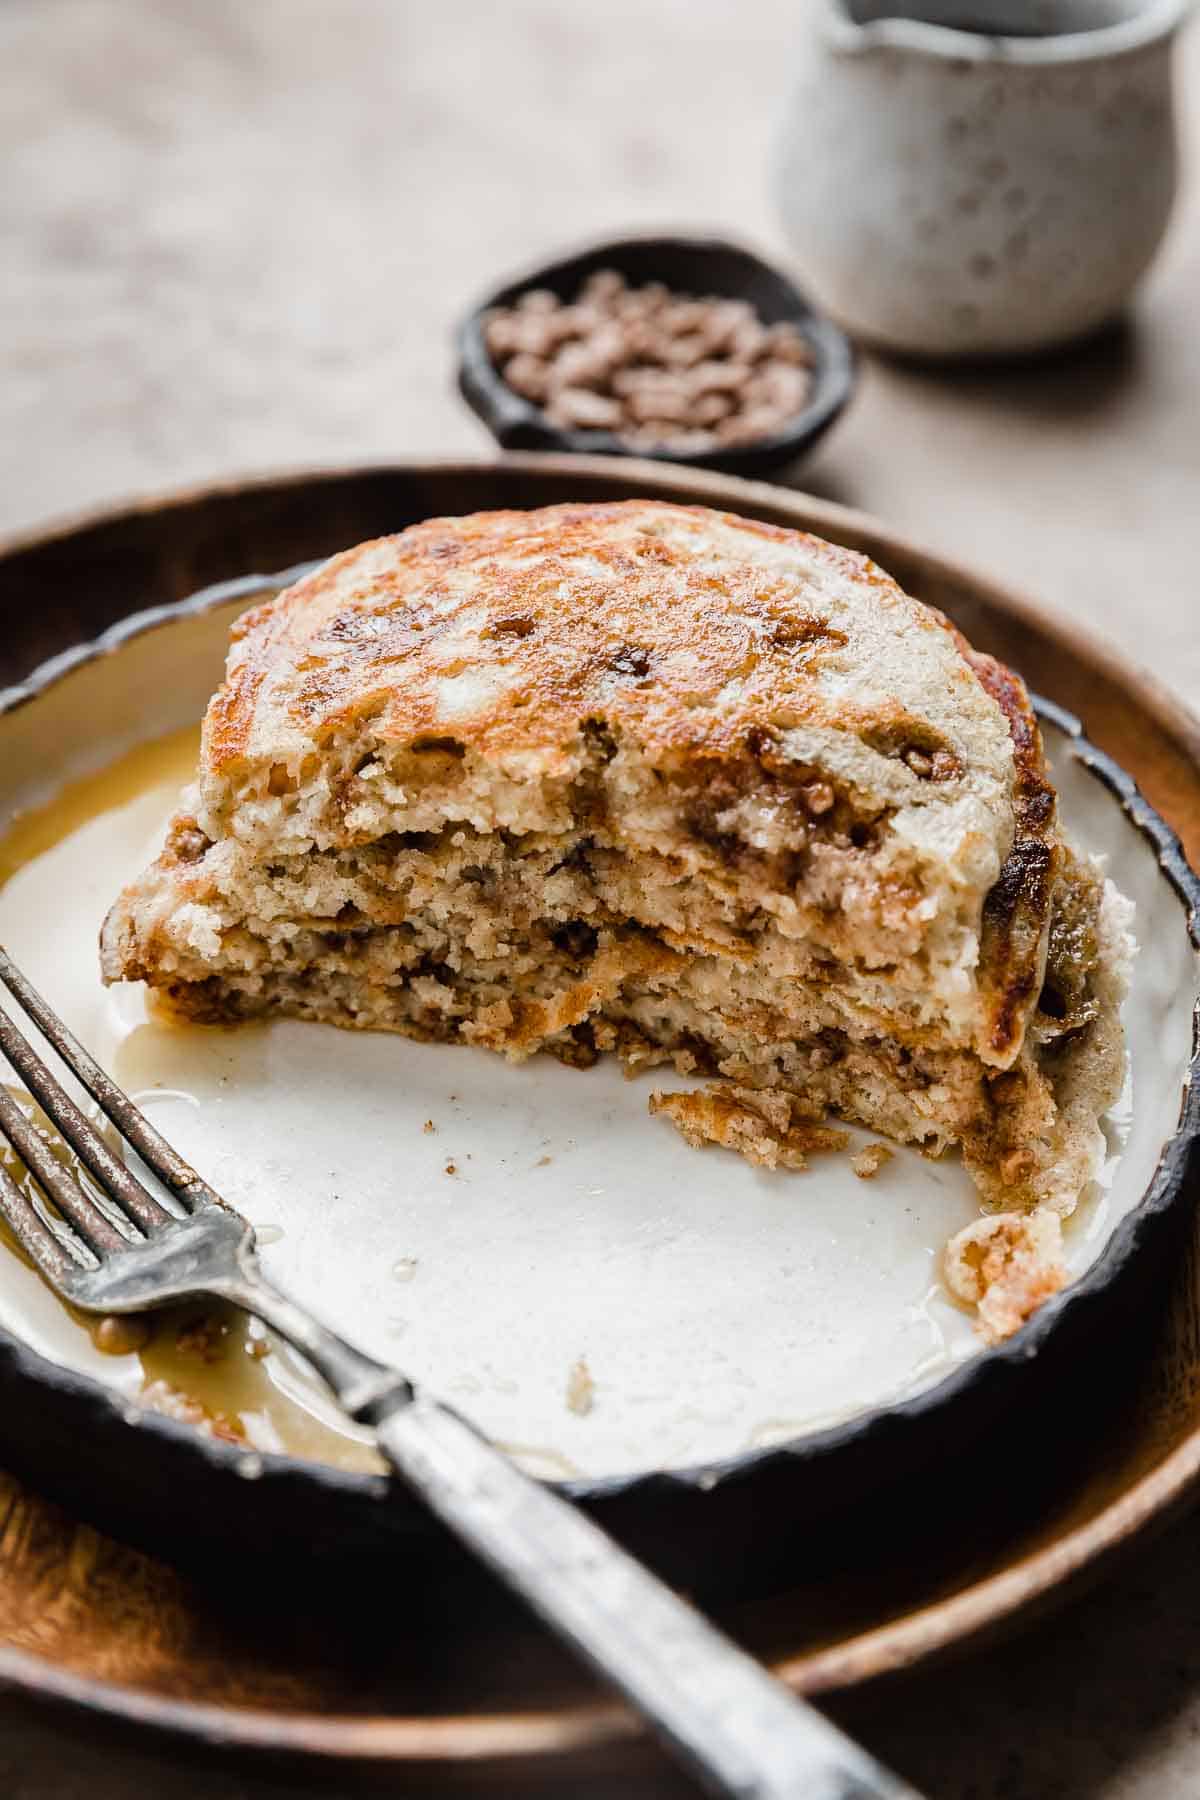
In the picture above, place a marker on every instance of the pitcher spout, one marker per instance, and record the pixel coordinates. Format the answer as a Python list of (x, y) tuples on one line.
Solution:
[(1027, 31)]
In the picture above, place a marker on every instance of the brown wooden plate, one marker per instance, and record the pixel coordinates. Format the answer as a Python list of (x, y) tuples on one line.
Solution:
[(965, 1547)]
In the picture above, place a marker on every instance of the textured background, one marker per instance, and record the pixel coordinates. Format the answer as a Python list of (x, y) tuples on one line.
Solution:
[(235, 236)]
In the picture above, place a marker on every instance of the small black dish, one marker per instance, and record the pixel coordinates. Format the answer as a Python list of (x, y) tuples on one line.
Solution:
[(699, 266)]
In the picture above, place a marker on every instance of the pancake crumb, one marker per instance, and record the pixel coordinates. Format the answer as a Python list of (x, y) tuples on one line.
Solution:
[(203, 1339), (868, 1161), (770, 1129), (581, 1389), (429, 1126), (164, 1397), (1005, 1266)]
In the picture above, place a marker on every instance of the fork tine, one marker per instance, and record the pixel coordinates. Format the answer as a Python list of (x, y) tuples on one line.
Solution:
[(66, 1193), (80, 1133), (35, 1235), (133, 1124)]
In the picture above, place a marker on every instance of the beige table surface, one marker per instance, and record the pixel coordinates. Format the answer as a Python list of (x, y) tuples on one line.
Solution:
[(234, 236)]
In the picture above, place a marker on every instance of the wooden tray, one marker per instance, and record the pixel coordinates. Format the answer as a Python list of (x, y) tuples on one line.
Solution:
[(279, 1660)]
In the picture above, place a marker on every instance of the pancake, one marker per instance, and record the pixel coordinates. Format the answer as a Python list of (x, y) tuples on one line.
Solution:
[(663, 782)]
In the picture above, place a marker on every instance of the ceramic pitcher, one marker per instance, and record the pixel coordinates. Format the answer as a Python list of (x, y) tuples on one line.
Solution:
[(964, 177)]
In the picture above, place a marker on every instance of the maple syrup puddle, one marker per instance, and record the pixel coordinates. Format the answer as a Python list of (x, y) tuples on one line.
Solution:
[(206, 1363), (168, 762)]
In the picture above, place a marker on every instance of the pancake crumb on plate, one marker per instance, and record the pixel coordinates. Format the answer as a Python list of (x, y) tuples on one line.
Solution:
[(767, 1126), (659, 781), (868, 1161)]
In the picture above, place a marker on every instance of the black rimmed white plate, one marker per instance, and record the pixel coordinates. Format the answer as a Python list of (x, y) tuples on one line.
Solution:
[(649, 1324)]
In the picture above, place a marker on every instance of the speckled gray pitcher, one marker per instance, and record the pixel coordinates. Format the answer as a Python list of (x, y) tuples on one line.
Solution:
[(975, 176)]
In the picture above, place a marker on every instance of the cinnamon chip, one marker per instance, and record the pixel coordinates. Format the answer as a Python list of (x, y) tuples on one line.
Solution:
[(663, 371)]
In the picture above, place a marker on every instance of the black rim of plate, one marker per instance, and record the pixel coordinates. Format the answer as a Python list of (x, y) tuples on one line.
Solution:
[(991, 1365)]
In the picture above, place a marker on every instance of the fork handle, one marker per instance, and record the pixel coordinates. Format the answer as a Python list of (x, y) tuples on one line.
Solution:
[(742, 1732), (739, 1729)]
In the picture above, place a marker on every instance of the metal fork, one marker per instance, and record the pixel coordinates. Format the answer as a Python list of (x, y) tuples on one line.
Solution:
[(738, 1729)]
